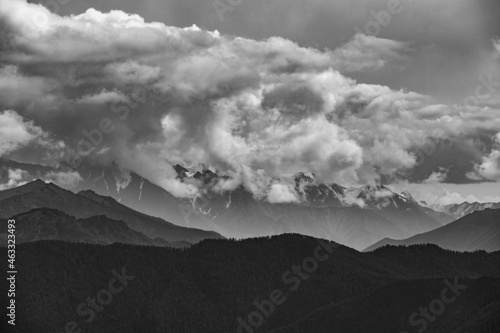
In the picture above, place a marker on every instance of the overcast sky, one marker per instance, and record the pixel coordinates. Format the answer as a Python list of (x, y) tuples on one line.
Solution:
[(357, 92)]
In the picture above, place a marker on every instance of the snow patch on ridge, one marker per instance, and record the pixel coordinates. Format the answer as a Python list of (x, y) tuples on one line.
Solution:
[(140, 188), (104, 179), (124, 181)]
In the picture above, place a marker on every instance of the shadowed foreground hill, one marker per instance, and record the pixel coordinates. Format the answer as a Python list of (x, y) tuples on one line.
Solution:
[(38, 194), (477, 231), (205, 288), (51, 224)]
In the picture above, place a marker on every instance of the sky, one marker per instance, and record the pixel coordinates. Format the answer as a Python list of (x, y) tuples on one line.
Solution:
[(404, 93)]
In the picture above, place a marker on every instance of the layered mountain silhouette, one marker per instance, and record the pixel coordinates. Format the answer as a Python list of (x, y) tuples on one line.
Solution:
[(355, 217), (82, 240), (87, 204), (477, 231), (215, 285), (52, 224)]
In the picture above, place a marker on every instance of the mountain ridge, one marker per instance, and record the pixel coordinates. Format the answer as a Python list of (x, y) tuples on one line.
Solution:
[(477, 231), (323, 210), (38, 194), (52, 224)]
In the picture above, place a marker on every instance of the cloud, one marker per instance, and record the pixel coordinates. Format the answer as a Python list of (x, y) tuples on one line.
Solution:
[(15, 178), (91, 36), (496, 47), (490, 167), (365, 53), (350, 198), (15, 132), (66, 179), (20, 137), (437, 177), (254, 109), (282, 193), (434, 195), (450, 198), (103, 97), (95, 36), (16, 88)]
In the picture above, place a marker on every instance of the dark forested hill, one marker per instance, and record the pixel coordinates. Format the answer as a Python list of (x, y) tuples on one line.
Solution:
[(52, 224), (316, 287), (39, 194)]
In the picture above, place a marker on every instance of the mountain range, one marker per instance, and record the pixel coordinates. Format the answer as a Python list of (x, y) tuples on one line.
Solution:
[(81, 240), (52, 224), (87, 204), (466, 208), (477, 231), (356, 217)]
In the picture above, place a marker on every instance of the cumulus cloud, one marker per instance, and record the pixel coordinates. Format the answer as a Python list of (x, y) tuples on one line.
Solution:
[(91, 36), (18, 135), (66, 179), (350, 198), (15, 132), (490, 167), (437, 177), (254, 109), (449, 198), (282, 193), (14, 178)]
